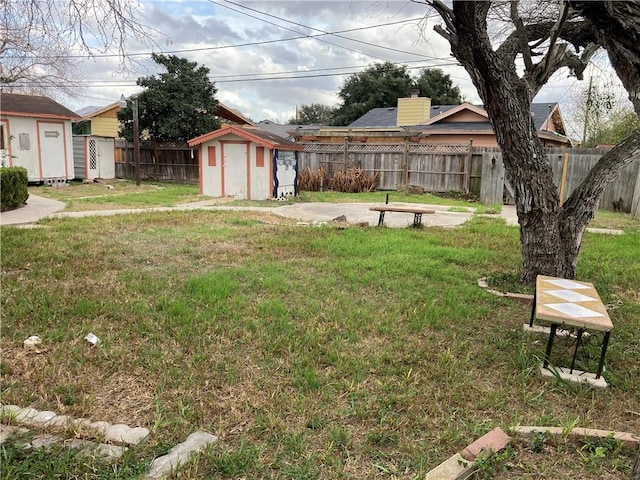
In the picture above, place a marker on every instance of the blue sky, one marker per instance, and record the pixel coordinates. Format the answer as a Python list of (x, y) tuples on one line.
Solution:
[(284, 41)]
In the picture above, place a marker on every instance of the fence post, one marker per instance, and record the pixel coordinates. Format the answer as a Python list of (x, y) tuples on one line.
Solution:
[(406, 162), (635, 202), (467, 168), (345, 157), (563, 177)]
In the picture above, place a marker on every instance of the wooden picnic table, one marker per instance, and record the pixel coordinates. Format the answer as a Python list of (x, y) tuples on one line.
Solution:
[(417, 212), (565, 303)]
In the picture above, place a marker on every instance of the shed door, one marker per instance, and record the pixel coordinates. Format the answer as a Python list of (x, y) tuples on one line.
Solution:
[(106, 158), (52, 151), (92, 161), (101, 158), (234, 164)]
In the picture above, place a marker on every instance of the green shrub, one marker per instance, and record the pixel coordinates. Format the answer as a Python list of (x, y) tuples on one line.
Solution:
[(13, 187)]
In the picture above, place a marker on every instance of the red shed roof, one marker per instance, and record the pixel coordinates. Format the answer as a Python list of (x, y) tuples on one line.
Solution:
[(34, 106), (266, 139)]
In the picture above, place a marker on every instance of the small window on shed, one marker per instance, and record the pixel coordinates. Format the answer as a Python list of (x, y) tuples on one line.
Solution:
[(25, 141), (211, 153), (259, 156)]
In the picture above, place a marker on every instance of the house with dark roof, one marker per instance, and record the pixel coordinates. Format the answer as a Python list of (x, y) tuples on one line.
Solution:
[(416, 120), (287, 131), (35, 133), (248, 163)]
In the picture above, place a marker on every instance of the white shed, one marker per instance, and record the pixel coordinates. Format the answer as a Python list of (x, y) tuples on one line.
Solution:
[(244, 162), (35, 133), (94, 157)]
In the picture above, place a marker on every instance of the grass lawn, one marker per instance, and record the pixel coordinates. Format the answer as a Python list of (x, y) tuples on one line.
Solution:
[(81, 197), (312, 352)]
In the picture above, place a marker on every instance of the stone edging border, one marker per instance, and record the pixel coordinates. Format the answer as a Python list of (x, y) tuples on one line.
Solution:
[(520, 297), (629, 440), (119, 433), (461, 465)]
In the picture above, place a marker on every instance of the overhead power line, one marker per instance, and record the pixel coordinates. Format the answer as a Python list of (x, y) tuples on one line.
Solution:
[(132, 83), (223, 47), (294, 31), (324, 32)]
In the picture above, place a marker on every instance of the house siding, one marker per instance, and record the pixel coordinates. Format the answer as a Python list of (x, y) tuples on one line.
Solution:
[(413, 111), (105, 127)]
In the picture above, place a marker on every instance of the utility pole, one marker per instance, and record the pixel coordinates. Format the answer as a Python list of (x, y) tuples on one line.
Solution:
[(136, 140), (586, 113)]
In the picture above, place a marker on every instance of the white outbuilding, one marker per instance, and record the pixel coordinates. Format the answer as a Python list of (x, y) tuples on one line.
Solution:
[(246, 163), (35, 133)]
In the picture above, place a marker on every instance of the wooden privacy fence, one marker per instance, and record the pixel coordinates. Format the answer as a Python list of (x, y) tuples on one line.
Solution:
[(435, 168), (570, 167), (467, 169), (166, 161)]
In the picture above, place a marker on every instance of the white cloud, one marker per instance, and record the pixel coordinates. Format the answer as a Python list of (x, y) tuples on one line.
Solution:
[(198, 29)]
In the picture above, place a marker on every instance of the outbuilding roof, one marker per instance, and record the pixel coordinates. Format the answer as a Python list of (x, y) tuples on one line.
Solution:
[(261, 137), (387, 116), (34, 106)]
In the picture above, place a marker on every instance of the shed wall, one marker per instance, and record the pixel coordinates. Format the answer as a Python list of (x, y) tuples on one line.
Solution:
[(43, 146)]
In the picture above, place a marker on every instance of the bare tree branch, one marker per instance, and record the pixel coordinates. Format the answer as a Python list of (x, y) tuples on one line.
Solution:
[(521, 35), (40, 40), (555, 31)]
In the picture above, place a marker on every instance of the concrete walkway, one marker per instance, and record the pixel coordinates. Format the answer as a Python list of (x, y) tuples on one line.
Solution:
[(38, 208), (35, 209)]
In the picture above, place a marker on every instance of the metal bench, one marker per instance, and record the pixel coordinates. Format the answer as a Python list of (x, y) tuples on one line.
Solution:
[(417, 212)]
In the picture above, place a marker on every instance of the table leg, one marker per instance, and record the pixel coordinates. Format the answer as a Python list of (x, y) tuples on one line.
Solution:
[(575, 352), (605, 344), (547, 355), (533, 308), (381, 219)]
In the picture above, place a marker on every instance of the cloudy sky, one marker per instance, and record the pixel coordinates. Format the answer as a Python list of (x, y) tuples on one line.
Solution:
[(267, 57)]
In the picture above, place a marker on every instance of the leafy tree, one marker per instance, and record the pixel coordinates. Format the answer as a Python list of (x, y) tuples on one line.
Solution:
[(438, 86), (380, 85), (383, 83), (38, 37), (594, 106), (315, 113), (620, 123), (175, 106), (546, 37)]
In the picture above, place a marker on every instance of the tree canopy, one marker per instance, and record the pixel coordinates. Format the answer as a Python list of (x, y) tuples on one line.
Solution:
[(313, 114), (620, 123), (438, 86), (176, 105), (544, 37), (381, 84)]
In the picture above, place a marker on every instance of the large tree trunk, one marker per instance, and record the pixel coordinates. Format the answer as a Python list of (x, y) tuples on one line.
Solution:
[(550, 235), (507, 100)]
